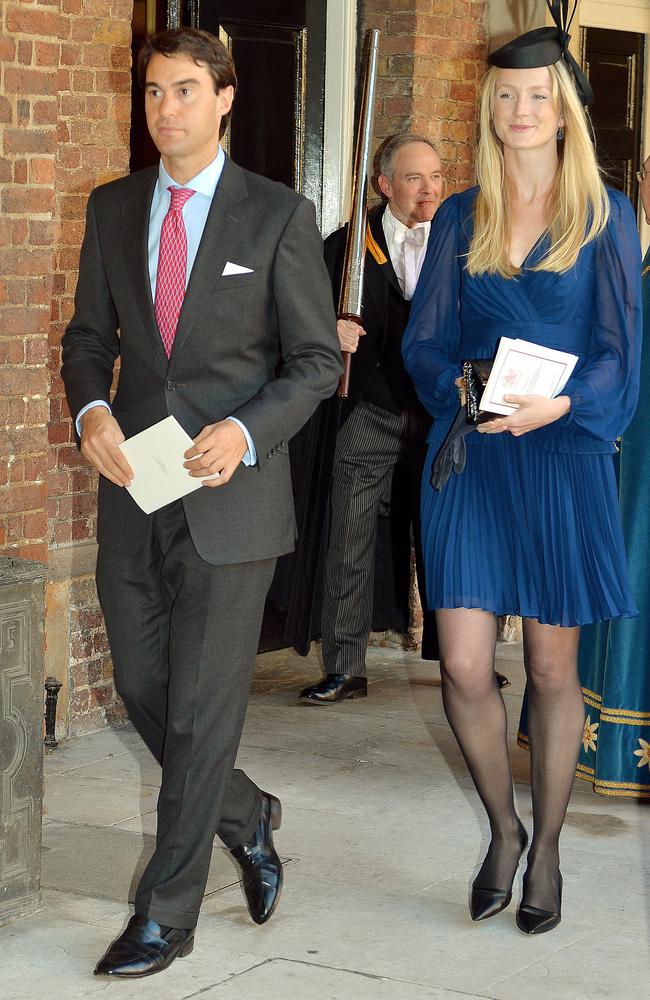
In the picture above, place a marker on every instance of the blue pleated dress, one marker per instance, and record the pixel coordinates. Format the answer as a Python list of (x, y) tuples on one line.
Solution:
[(532, 526)]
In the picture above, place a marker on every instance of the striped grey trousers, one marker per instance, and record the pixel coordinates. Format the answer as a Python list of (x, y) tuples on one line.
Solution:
[(369, 445)]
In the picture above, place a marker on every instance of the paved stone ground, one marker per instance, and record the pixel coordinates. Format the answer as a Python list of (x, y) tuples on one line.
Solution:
[(382, 831)]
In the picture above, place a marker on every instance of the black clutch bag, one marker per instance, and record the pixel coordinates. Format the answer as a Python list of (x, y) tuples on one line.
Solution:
[(452, 454), (475, 376)]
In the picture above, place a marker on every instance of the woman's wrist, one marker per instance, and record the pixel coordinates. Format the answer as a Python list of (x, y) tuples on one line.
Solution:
[(562, 406)]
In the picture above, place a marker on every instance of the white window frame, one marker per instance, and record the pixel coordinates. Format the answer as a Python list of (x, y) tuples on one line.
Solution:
[(338, 133)]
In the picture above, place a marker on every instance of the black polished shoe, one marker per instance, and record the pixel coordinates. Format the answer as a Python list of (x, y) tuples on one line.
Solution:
[(142, 950), (335, 687), (485, 903), (532, 920), (502, 680), (260, 865)]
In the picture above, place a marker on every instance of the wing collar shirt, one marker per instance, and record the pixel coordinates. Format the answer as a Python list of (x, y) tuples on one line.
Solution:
[(407, 248), (195, 214)]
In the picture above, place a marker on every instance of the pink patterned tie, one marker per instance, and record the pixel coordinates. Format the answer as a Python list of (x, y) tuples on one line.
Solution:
[(172, 267)]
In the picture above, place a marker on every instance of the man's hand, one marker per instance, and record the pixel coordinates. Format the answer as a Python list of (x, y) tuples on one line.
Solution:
[(218, 448), (349, 334), (100, 437), (532, 412)]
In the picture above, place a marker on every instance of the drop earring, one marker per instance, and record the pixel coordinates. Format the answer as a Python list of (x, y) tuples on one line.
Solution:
[(560, 133)]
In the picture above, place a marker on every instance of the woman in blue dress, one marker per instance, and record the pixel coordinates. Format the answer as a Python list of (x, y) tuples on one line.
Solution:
[(541, 251)]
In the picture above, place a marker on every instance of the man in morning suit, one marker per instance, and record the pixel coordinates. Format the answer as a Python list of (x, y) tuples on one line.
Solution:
[(215, 279), (382, 420)]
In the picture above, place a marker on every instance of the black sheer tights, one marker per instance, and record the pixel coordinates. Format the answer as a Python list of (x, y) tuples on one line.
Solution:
[(556, 715), (476, 713), (477, 716)]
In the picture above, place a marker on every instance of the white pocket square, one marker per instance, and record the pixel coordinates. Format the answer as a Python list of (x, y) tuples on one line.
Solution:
[(231, 268)]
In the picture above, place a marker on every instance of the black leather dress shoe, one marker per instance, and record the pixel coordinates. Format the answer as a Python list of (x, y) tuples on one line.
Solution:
[(335, 687), (260, 865), (141, 950)]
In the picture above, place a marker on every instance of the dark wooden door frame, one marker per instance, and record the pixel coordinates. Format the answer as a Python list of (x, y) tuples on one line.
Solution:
[(207, 14), (615, 63)]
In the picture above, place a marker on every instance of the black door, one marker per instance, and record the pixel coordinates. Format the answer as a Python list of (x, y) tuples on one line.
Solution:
[(279, 52), (614, 63)]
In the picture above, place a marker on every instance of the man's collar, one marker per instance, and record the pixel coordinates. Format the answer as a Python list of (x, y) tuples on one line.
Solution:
[(395, 226), (398, 229), (205, 182)]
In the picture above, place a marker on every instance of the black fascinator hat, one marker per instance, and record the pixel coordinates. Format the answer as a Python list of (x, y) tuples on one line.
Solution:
[(545, 46)]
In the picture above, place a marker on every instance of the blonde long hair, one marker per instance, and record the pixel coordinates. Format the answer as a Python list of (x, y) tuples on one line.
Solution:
[(578, 203)]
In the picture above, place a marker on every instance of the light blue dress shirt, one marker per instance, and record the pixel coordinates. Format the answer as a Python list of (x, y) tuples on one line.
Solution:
[(195, 214)]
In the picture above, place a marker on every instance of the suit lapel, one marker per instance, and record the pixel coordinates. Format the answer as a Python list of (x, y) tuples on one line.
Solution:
[(135, 227), (377, 229), (222, 228), (379, 276)]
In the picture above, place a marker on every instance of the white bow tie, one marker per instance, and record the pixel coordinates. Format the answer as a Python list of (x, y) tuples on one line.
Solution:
[(417, 236)]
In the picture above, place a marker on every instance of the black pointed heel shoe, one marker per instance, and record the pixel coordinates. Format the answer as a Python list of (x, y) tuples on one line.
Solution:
[(486, 903), (532, 920)]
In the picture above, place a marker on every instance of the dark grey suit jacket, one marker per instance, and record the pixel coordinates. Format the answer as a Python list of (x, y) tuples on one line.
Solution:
[(261, 347)]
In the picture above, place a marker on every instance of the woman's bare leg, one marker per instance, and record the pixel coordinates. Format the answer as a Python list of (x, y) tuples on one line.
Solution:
[(477, 715), (556, 716)]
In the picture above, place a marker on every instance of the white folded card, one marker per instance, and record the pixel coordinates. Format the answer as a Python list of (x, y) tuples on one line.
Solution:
[(231, 268), (156, 456), (525, 369)]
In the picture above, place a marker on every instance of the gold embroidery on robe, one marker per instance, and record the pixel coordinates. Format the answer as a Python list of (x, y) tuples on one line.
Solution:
[(643, 753), (589, 735)]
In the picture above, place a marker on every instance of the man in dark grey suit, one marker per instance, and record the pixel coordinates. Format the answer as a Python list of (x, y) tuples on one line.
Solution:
[(215, 279)]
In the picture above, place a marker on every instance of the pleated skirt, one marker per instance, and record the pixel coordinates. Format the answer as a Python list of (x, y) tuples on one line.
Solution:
[(526, 531)]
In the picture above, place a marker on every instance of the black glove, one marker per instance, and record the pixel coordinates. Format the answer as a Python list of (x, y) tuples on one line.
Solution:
[(452, 454)]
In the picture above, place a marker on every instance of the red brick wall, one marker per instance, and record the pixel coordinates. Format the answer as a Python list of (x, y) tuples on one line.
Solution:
[(65, 117), (92, 147), (28, 106), (432, 56), (64, 113)]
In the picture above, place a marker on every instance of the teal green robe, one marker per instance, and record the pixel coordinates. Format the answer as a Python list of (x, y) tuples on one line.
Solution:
[(615, 656)]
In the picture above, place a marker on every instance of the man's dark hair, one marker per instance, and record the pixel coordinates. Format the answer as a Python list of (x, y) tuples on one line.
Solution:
[(202, 47)]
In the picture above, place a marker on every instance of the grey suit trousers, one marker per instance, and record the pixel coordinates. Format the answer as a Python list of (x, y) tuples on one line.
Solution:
[(368, 447), (183, 635)]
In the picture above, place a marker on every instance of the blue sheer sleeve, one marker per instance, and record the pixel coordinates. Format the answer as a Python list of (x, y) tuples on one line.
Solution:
[(432, 336), (604, 391)]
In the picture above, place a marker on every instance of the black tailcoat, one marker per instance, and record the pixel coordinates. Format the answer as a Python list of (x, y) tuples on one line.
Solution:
[(296, 594)]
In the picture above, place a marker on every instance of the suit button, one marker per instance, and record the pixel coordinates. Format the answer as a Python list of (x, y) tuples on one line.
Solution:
[(170, 384)]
